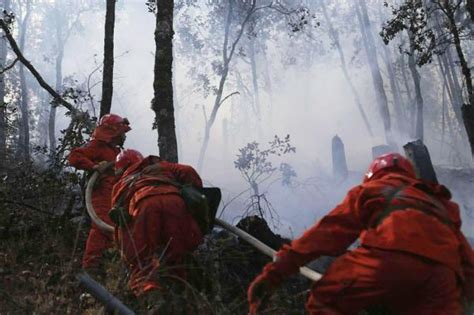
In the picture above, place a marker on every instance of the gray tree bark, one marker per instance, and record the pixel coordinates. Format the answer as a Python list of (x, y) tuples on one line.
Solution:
[(335, 39), (419, 125), (395, 88), (59, 80), (24, 128), (371, 50), (162, 103), (454, 95), (3, 118), (467, 108), (227, 54)]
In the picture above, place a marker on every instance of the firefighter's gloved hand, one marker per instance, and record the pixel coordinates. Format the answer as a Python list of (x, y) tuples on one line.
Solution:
[(259, 291), (101, 167)]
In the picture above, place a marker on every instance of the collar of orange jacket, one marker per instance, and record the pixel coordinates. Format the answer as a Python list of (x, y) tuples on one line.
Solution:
[(426, 186)]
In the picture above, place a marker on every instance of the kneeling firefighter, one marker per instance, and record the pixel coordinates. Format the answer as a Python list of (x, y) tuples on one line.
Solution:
[(156, 227), (413, 257)]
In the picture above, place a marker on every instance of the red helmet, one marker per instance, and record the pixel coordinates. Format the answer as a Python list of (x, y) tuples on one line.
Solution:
[(392, 162), (111, 126), (126, 158), (113, 119)]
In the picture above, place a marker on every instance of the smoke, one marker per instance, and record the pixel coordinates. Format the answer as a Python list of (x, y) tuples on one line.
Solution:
[(309, 101)]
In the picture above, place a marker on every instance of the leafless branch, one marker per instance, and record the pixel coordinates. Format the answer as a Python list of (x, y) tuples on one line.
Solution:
[(205, 115), (230, 95), (34, 72), (9, 67)]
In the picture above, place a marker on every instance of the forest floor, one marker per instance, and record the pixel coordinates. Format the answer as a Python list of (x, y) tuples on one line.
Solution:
[(40, 258)]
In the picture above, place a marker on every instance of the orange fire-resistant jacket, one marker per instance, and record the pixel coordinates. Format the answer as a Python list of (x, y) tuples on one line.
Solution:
[(422, 220), (159, 219)]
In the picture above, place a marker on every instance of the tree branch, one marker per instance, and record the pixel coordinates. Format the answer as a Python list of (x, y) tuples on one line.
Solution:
[(9, 67), (56, 97), (22, 204), (230, 95)]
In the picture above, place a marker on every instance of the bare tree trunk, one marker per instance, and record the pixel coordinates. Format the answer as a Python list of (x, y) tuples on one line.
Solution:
[(177, 113), (454, 98), (3, 118), (470, 8), (370, 48), (59, 83), (269, 88), (467, 109), (227, 54), (397, 99), (253, 64), (162, 103), (335, 39), (256, 91), (108, 74), (416, 81), (24, 132), (43, 120), (411, 109)]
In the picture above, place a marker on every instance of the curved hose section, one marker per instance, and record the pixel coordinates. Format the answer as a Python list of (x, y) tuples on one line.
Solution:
[(90, 208)]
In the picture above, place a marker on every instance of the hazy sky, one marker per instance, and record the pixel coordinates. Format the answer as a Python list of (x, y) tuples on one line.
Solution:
[(331, 111)]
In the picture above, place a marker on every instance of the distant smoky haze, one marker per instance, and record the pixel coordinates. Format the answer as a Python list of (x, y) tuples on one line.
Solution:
[(302, 92)]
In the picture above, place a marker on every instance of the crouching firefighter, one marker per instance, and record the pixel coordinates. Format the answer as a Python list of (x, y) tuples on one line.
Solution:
[(160, 217), (413, 258)]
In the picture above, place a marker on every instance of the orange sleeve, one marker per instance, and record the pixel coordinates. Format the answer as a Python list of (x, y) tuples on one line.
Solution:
[(185, 174), (330, 236), (82, 158)]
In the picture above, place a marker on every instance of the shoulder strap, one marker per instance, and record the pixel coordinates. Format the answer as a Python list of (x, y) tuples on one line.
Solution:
[(388, 208)]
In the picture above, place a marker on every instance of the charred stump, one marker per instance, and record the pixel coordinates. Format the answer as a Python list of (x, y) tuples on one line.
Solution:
[(339, 164), (418, 154)]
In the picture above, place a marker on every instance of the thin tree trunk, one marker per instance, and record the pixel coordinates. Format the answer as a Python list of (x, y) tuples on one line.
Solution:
[(253, 64), (455, 77), (3, 118), (467, 109), (108, 74), (162, 103), (370, 48), (419, 126), (256, 91), (59, 83), (335, 39), (226, 59), (269, 88), (308, 62), (24, 132), (177, 112), (397, 99), (443, 114), (470, 8), (410, 100), (448, 83)]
